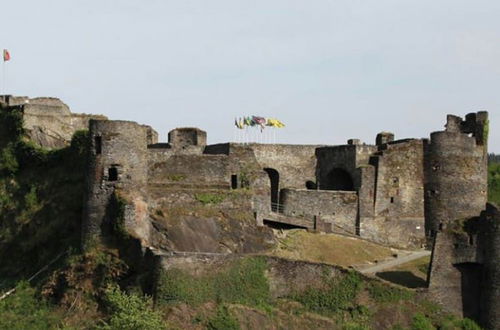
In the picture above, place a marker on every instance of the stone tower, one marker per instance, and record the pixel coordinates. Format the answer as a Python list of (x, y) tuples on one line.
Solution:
[(462, 272), (117, 161)]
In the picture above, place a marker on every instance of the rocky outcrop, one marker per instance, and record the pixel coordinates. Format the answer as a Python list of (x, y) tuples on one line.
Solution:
[(48, 121)]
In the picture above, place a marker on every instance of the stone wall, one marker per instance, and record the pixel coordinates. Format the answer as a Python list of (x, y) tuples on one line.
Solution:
[(196, 171), (187, 136), (337, 208), (295, 164), (400, 180), (345, 157), (48, 121)]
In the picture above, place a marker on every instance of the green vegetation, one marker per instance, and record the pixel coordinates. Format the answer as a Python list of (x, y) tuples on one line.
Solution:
[(494, 183), (241, 282), (338, 294), (223, 320), (486, 130), (130, 312), (23, 310), (421, 322), (387, 294), (176, 177), (40, 198), (208, 198)]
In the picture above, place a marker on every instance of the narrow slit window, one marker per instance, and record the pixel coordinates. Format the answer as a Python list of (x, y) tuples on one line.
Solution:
[(234, 181), (113, 174), (98, 145)]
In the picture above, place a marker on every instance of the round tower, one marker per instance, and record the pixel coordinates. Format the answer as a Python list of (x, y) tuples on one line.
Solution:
[(118, 160), (456, 175)]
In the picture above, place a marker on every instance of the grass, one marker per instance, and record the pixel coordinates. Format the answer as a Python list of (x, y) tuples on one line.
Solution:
[(338, 294), (382, 293), (209, 198), (242, 282), (329, 248)]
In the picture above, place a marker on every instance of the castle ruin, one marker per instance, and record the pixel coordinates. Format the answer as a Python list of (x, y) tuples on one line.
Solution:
[(409, 193)]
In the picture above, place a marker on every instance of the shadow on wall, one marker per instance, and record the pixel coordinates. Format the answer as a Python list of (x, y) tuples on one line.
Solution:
[(471, 275), (274, 177), (338, 179)]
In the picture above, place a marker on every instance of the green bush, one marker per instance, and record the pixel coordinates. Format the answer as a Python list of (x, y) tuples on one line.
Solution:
[(223, 320), (22, 310), (421, 322), (130, 312), (468, 324)]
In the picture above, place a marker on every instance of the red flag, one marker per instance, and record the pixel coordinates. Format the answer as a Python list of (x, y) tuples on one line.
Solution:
[(6, 55)]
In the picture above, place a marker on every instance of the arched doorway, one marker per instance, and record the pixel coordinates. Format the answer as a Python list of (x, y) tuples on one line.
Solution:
[(338, 179), (274, 178)]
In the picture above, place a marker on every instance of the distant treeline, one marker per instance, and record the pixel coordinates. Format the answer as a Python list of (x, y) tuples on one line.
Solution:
[(493, 158)]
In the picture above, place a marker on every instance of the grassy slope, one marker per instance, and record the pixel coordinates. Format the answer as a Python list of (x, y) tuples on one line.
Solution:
[(329, 248)]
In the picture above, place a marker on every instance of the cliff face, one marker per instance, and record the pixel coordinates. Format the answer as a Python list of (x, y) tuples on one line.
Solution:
[(48, 121)]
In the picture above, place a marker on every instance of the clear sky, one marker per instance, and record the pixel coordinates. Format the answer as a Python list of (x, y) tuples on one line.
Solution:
[(331, 70)]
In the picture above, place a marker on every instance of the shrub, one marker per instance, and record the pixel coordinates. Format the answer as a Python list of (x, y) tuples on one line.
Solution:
[(130, 312), (223, 320), (421, 322), (468, 324)]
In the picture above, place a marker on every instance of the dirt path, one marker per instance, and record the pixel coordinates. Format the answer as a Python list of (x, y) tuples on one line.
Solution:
[(393, 263)]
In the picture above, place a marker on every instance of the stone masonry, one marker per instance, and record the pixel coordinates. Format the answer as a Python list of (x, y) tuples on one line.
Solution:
[(185, 196)]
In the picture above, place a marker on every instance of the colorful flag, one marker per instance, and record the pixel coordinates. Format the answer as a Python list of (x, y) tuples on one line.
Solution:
[(6, 55)]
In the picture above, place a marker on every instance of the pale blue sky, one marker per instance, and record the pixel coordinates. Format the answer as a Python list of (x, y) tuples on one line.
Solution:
[(331, 70)]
